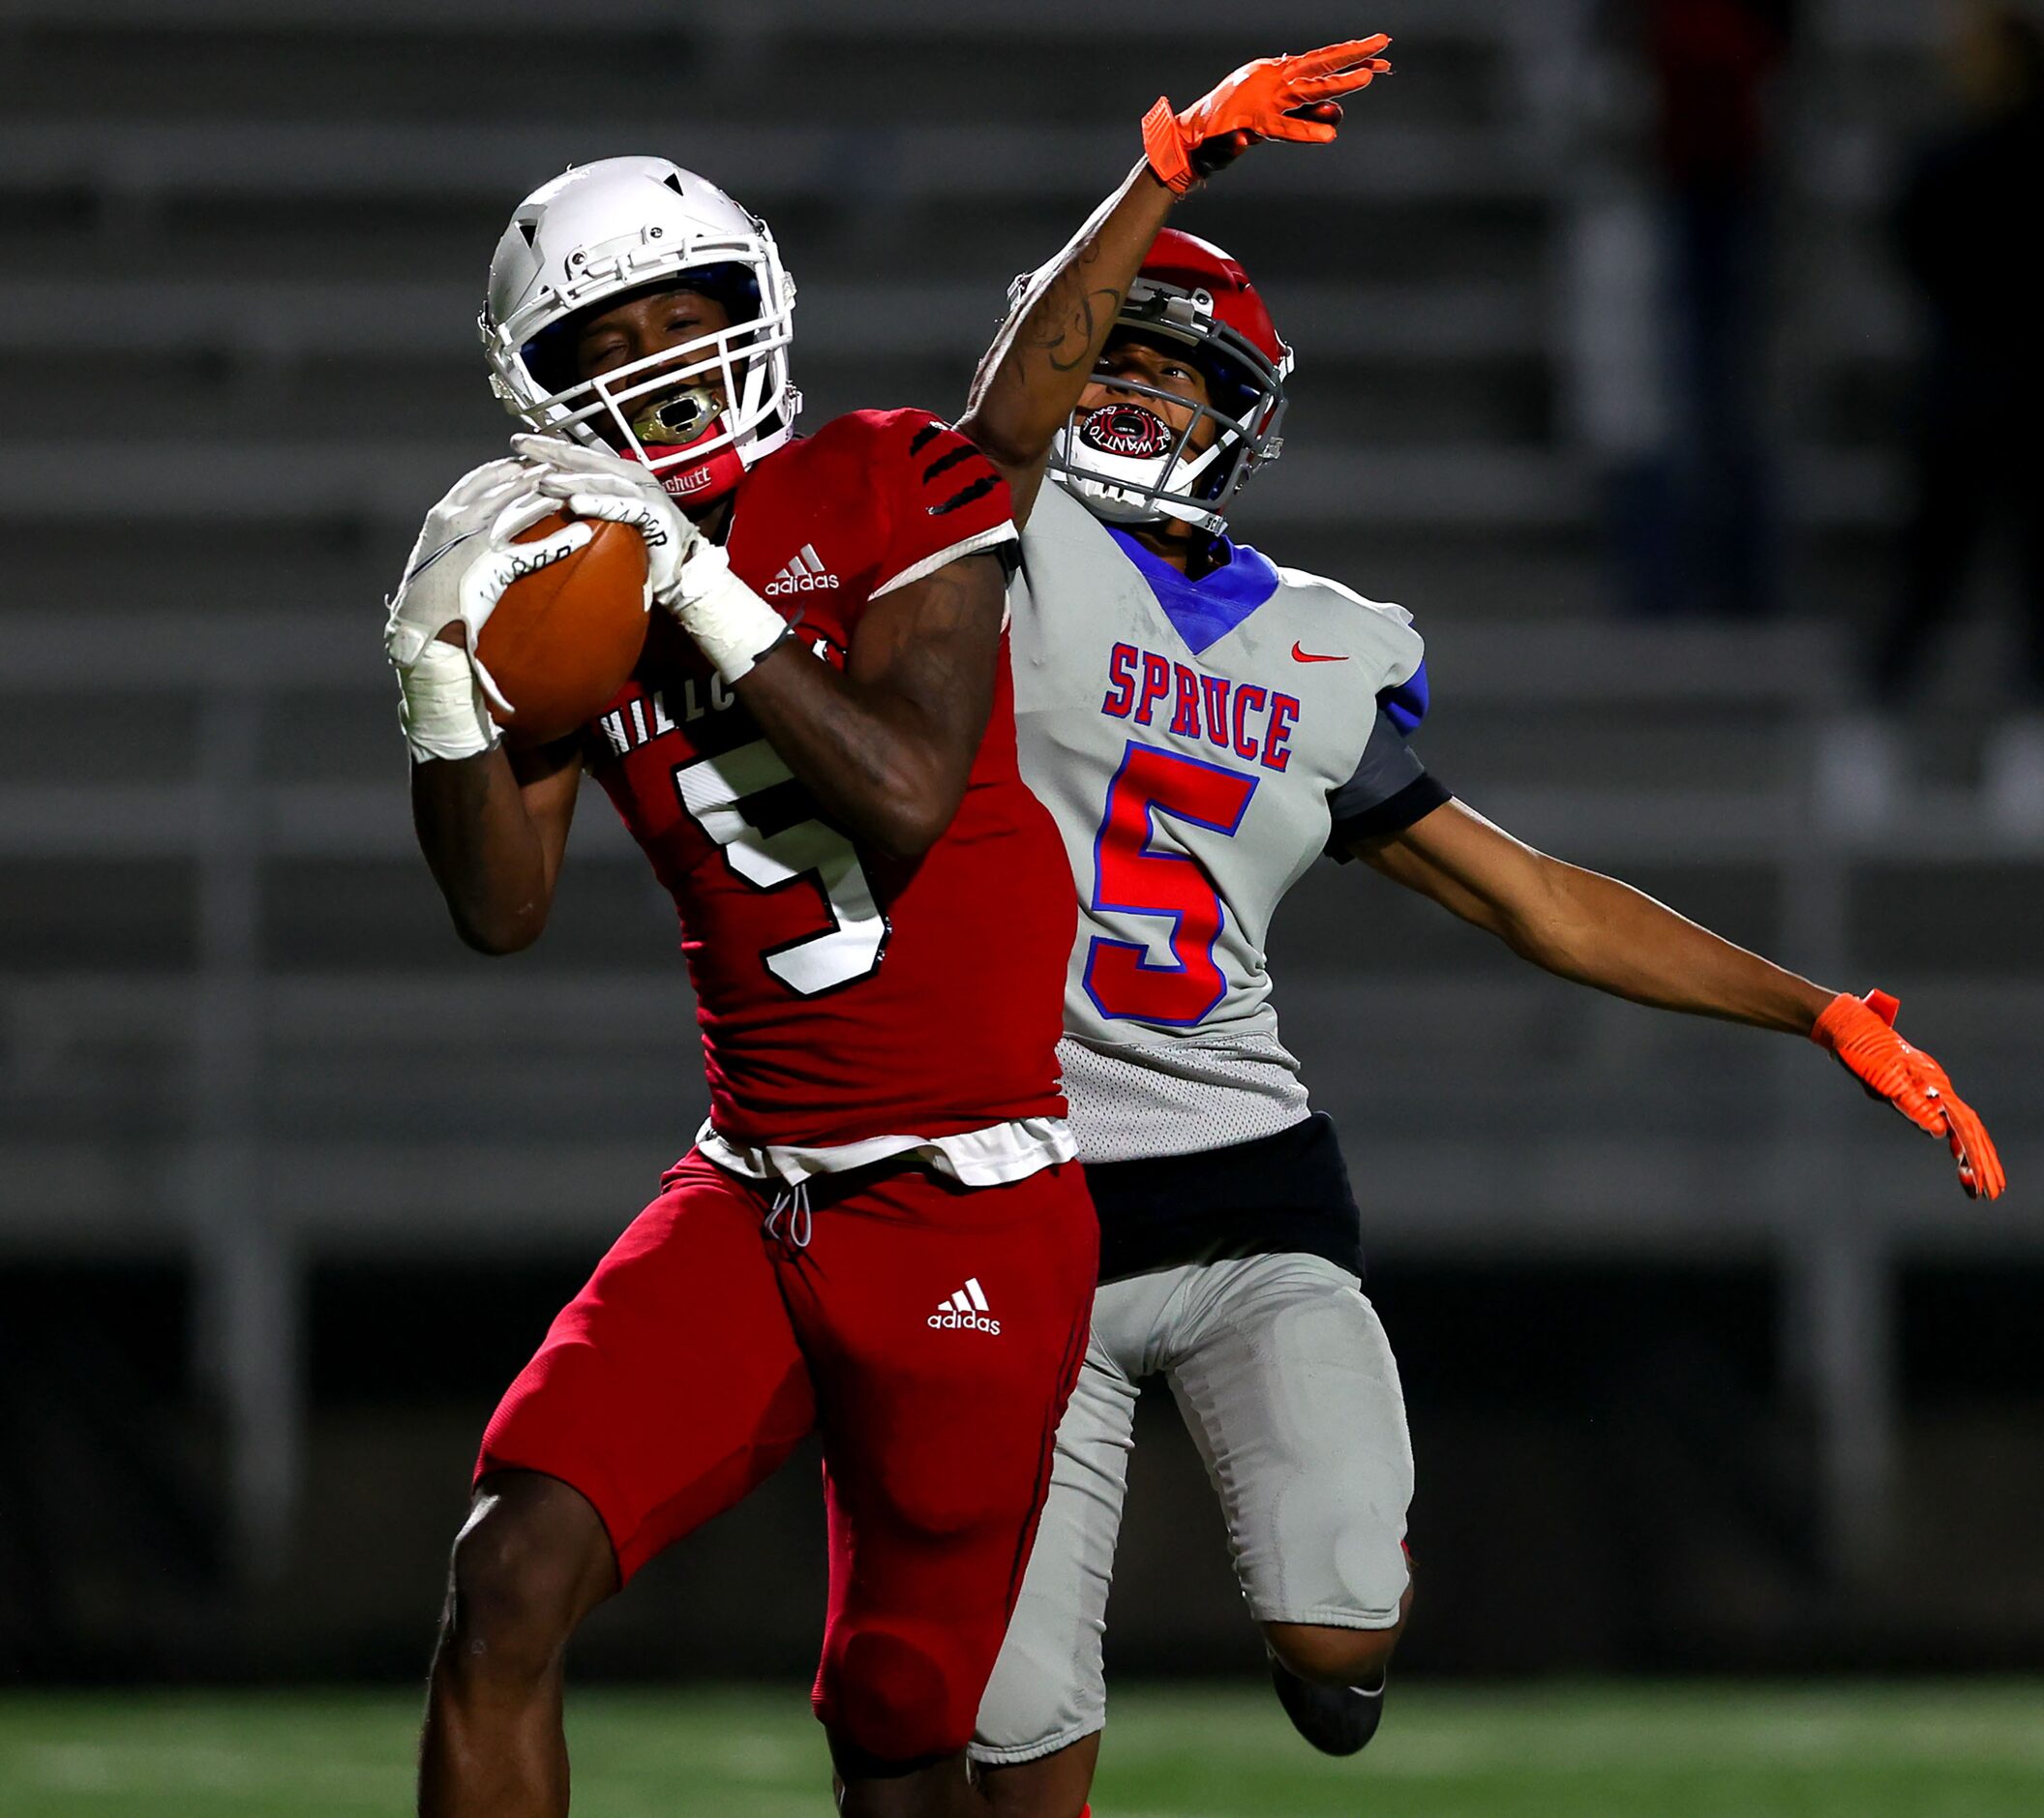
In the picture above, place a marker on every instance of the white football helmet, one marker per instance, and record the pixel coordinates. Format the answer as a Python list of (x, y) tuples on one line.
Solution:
[(601, 231)]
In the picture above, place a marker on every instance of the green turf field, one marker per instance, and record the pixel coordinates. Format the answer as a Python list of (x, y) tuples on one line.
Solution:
[(1950, 1750)]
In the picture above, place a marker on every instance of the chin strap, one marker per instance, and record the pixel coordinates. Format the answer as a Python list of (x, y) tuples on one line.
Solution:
[(696, 483)]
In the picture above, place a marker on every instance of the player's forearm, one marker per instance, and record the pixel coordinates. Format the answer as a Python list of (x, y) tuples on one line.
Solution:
[(1033, 375), (886, 743), (1599, 931), (875, 763), (482, 850)]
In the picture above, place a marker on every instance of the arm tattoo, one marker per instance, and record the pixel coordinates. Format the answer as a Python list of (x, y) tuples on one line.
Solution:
[(1063, 331), (1070, 346)]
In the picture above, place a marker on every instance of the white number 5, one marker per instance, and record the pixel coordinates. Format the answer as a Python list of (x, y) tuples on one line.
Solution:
[(714, 792)]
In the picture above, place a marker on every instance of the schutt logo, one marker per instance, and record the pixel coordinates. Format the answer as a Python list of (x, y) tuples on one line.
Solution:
[(688, 480)]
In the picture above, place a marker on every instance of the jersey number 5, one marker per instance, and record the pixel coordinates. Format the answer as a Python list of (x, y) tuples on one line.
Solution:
[(1128, 878), (715, 792)]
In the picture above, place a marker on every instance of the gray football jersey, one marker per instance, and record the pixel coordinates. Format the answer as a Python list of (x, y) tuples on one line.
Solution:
[(1196, 745)]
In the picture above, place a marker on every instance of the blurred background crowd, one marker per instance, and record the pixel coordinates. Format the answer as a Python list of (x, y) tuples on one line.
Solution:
[(1670, 359)]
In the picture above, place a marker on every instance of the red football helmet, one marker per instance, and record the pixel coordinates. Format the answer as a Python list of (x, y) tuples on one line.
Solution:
[(1122, 459)]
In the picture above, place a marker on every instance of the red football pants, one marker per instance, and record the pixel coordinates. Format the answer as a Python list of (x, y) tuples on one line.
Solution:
[(930, 1332)]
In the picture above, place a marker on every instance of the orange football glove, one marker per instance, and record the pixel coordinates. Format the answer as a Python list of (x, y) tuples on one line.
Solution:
[(1861, 1032), (1272, 97)]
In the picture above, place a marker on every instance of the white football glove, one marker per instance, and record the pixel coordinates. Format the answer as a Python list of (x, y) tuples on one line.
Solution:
[(689, 574), (463, 561)]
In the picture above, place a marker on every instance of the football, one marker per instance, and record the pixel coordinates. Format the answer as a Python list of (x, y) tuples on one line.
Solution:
[(564, 639)]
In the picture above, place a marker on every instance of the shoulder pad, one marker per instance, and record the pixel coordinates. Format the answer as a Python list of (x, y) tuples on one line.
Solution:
[(1386, 632), (882, 426), (1302, 578)]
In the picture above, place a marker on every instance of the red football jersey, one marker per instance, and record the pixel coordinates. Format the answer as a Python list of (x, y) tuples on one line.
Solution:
[(842, 994)]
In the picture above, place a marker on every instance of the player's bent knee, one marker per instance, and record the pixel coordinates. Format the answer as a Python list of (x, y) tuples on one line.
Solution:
[(1332, 1656), (532, 1562), (887, 1695)]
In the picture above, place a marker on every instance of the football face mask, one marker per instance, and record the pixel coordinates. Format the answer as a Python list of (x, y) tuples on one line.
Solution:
[(699, 412), (1127, 462), (683, 411)]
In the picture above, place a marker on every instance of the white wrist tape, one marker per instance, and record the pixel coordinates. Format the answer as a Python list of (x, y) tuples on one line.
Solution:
[(443, 707), (732, 625)]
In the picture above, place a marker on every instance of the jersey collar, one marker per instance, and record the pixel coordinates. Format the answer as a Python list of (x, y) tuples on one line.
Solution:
[(1204, 611)]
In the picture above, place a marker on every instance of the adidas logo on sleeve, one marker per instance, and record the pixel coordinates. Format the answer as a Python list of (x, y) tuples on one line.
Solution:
[(803, 573), (965, 1311)]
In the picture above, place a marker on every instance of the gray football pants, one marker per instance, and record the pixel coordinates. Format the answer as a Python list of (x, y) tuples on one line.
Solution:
[(1286, 1382)]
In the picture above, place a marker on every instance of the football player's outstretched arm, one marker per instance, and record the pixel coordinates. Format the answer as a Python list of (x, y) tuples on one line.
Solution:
[(1588, 928), (1030, 380), (1040, 361), (1600, 931)]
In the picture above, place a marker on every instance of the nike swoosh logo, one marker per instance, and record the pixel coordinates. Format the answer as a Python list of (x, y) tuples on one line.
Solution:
[(1307, 656), (453, 542)]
